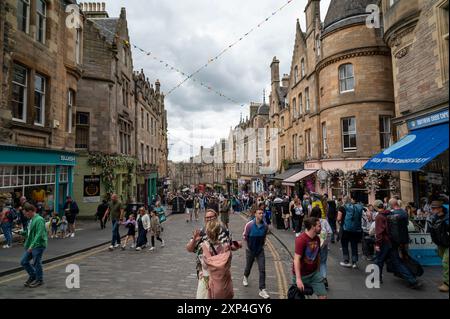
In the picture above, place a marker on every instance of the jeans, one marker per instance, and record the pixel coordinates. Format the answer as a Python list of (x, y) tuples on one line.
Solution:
[(354, 247), (115, 232), (35, 270), (297, 223), (323, 261), (332, 223), (7, 231), (261, 260), (391, 252), (153, 240)]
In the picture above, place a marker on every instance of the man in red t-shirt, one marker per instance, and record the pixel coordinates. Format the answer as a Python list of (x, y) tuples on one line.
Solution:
[(307, 259)]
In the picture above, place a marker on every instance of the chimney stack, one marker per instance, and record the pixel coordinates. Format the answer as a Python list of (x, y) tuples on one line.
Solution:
[(94, 9)]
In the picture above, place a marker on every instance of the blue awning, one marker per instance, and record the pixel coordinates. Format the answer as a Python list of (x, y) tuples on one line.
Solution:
[(413, 151)]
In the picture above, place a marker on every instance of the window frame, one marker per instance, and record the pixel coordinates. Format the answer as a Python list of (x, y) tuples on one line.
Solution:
[(308, 146), (349, 133), (42, 98), (25, 93), (26, 3), (39, 16), (346, 78), (383, 134), (324, 139), (307, 101), (70, 106), (78, 42), (82, 127), (302, 68)]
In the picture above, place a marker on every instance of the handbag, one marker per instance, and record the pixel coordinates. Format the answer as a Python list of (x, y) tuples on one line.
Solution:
[(295, 293)]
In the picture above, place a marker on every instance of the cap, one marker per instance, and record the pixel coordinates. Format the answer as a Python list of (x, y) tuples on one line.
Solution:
[(436, 204), (378, 204)]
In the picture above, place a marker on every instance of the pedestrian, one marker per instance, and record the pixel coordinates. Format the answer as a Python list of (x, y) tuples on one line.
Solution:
[(297, 216), (189, 208), (54, 223), (35, 245), (255, 233), (196, 207), (212, 228), (7, 218), (131, 225), (332, 216), (317, 201), (116, 212), (386, 249), (306, 265), (63, 227), (23, 219), (155, 230), (325, 206), (101, 210), (225, 206), (352, 231), (440, 235), (325, 238), (143, 222), (306, 204), (71, 211)]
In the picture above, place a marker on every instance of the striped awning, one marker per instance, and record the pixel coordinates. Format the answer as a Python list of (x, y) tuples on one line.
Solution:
[(290, 181)]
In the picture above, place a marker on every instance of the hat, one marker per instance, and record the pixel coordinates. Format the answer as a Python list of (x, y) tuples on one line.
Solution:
[(378, 204), (436, 204)]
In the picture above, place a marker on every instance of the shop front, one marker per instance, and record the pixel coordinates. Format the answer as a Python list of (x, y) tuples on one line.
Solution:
[(423, 154), (44, 176)]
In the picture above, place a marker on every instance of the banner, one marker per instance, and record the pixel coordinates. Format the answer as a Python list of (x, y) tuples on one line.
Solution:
[(91, 189)]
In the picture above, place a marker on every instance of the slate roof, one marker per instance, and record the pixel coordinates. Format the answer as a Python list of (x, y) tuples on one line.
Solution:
[(107, 27), (263, 110), (345, 9)]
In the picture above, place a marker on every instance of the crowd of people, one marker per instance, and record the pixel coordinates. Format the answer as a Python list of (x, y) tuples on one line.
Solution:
[(382, 230)]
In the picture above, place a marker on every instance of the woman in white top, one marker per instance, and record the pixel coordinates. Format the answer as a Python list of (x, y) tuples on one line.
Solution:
[(143, 222)]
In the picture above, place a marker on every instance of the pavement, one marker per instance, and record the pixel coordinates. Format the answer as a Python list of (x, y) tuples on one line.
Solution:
[(169, 272)]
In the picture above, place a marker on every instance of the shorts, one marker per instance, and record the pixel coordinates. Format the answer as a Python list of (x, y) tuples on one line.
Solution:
[(70, 219), (225, 218), (315, 280), (286, 216), (189, 211)]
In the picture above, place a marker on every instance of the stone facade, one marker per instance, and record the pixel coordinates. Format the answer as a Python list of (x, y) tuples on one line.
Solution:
[(51, 57), (417, 33), (318, 101)]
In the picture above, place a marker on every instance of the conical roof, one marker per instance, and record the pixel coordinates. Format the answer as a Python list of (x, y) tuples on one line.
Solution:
[(346, 12)]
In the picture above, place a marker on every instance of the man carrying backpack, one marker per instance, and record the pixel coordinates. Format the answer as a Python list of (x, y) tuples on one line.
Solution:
[(440, 236), (7, 223), (388, 241), (352, 231)]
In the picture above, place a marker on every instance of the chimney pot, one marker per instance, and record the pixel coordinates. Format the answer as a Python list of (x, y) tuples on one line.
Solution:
[(103, 6)]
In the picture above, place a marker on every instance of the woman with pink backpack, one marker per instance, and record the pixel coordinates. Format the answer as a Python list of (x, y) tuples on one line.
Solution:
[(213, 247)]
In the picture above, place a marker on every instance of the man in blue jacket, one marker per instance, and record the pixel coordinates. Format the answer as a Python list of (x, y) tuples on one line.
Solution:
[(255, 232)]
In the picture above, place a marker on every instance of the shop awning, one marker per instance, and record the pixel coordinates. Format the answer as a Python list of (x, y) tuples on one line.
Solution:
[(413, 151), (286, 174), (298, 177)]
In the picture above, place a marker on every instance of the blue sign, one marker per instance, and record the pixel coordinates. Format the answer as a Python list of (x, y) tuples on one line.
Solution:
[(429, 120)]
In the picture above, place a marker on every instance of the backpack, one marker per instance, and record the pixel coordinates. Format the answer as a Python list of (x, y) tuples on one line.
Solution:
[(12, 215), (439, 232), (220, 284), (398, 228), (353, 215)]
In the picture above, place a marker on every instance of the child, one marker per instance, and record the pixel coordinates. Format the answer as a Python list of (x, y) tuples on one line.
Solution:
[(131, 225), (63, 226), (54, 223), (155, 230)]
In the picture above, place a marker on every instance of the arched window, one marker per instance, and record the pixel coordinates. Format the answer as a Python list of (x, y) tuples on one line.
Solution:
[(300, 104), (346, 78), (296, 74), (303, 67)]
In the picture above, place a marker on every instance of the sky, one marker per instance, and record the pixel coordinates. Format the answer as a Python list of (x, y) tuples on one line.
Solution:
[(186, 34)]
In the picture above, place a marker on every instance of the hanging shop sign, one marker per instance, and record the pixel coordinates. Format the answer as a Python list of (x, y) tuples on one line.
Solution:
[(91, 189)]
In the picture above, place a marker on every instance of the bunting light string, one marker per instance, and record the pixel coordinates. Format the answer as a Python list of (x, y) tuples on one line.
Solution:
[(167, 65), (215, 58)]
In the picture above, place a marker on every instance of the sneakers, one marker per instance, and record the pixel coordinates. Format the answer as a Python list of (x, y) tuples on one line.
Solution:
[(116, 245), (111, 247), (345, 264), (36, 283), (443, 288), (28, 282), (263, 294), (138, 248), (354, 266), (151, 249), (245, 282), (163, 244), (123, 247), (133, 246), (417, 285), (6, 246), (73, 235)]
